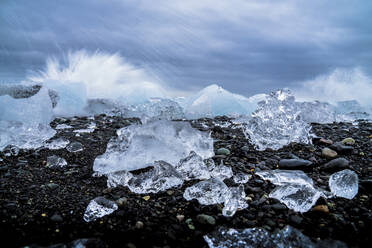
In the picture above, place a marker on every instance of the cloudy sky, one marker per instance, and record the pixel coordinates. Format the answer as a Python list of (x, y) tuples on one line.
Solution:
[(245, 46)]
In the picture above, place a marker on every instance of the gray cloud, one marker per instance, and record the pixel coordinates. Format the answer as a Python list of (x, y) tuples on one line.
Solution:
[(245, 46)]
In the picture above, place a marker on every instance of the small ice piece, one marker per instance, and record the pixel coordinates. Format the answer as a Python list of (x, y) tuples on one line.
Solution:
[(344, 184), (193, 167), (285, 177), (277, 122), (138, 146), (299, 197), (56, 144), (208, 192), (221, 171), (161, 177), (117, 178), (241, 178), (234, 201), (98, 208), (63, 126), (75, 147), (11, 151), (55, 162), (259, 237)]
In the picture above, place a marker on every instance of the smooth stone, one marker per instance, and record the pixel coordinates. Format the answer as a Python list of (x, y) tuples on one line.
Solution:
[(348, 141), (52, 185), (337, 163), (321, 208), (341, 148), (326, 141), (206, 219), (56, 218), (223, 151), (294, 163), (139, 225), (328, 153)]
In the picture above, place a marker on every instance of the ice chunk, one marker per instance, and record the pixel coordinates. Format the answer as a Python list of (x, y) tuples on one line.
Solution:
[(193, 167), (55, 161), (11, 151), (208, 192), (63, 126), (299, 197), (258, 237), (160, 177), (285, 177), (221, 171), (277, 122), (344, 184), (137, 146), (70, 97), (317, 112), (56, 144), (75, 147), (351, 110), (98, 208), (234, 201), (84, 130), (241, 177), (214, 100)]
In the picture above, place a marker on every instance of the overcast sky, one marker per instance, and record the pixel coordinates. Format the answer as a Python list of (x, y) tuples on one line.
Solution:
[(245, 46)]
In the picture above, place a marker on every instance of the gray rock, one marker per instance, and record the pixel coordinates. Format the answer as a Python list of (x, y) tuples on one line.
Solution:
[(337, 163), (294, 163), (341, 148), (223, 151), (206, 219), (56, 218), (328, 153)]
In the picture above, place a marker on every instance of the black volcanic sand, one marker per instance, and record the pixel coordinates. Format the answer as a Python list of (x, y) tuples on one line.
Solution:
[(41, 206)]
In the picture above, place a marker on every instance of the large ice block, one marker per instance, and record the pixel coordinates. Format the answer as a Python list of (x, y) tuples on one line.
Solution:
[(344, 184)]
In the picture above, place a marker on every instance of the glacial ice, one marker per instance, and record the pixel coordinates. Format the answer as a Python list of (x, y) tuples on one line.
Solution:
[(214, 100), (294, 188), (234, 201), (241, 178), (193, 167), (138, 146), (208, 192), (259, 237), (55, 162), (56, 144), (75, 147), (344, 184), (277, 122), (317, 112), (98, 208), (220, 171)]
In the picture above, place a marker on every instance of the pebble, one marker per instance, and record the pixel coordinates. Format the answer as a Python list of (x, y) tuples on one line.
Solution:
[(337, 163), (348, 141), (52, 185), (146, 198), (121, 201), (206, 219), (180, 217), (321, 208), (341, 148), (139, 224), (56, 218), (294, 163), (296, 219), (328, 153), (223, 151), (326, 141)]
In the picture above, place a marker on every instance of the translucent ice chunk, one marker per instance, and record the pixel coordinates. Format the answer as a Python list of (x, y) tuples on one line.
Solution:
[(137, 146), (318, 112), (75, 147), (277, 122), (56, 144), (118, 178), (209, 192), (98, 208), (258, 237), (241, 177), (11, 151), (344, 184), (285, 177), (84, 130), (55, 161), (234, 201), (299, 197), (221, 171), (63, 126), (193, 167)]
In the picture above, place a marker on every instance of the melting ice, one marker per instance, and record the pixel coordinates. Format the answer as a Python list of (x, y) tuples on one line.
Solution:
[(98, 208), (344, 184)]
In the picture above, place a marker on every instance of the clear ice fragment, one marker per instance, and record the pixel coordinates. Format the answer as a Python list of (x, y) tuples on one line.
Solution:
[(138, 146), (98, 208), (208, 192), (193, 167), (285, 177), (11, 151), (75, 147), (344, 184), (63, 126), (221, 171), (234, 201), (55, 162), (56, 144), (241, 178)]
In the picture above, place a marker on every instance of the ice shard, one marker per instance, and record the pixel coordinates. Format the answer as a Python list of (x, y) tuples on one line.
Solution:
[(56, 144), (234, 201), (344, 184), (138, 146), (285, 177), (75, 147), (208, 192), (241, 178), (98, 208), (193, 167), (221, 171), (277, 122), (55, 162)]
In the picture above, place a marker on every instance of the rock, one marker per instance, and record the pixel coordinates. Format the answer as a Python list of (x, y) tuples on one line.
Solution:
[(328, 153), (190, 225), (146, 198), (326, 141), (278, 206), (348, 141), (321, 208), (206, 219), (121, 201), (294, 163), (52, 185), (341, 148), (180, 217), (337, 163), (223, 151), (139, 224), (296, 219), (56, 218)]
